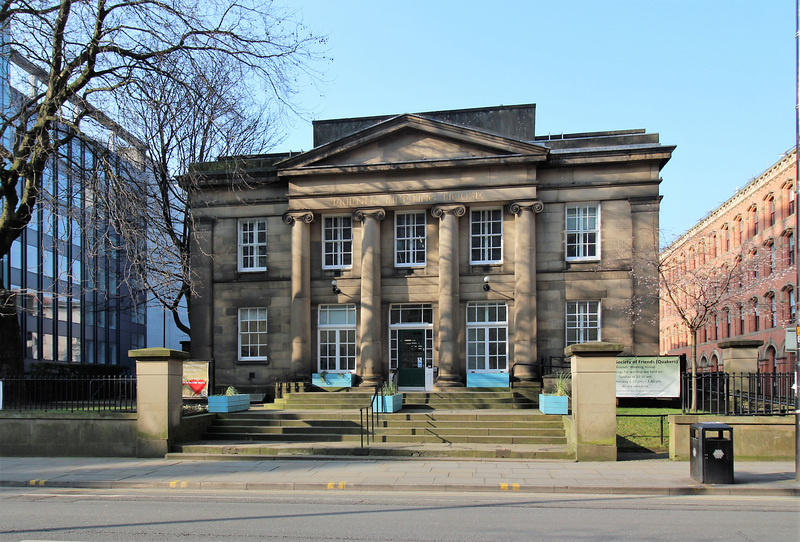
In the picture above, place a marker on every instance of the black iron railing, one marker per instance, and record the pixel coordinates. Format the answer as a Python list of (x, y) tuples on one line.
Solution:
[(371, 415), (740, 394), (104, 393), (554, 364)]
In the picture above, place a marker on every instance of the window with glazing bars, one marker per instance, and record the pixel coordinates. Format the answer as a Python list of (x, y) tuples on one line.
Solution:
[(583, 232), (486, 236), (337, 243), (583, 321)]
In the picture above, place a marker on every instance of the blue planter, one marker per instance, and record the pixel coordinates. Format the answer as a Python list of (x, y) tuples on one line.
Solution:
[(332, 380), (487, 380), (387, 403), (229, 403), (553, 404)]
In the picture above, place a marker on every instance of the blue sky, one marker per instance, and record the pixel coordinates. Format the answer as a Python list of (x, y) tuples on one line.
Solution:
[(715, 78)]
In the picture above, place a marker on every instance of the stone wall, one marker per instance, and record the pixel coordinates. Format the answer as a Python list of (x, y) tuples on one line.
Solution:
[(67, 434), (770, 438)]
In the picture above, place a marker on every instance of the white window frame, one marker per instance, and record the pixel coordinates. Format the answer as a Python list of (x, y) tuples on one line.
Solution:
[(580, 315), (482, 240), (483, 334), (248, 242), (253, 337), (340, 243), (344, 335), (582, 232), (406, 234)]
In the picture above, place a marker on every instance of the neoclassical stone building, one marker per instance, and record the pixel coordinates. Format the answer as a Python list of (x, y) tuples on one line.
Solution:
[(446, 246)]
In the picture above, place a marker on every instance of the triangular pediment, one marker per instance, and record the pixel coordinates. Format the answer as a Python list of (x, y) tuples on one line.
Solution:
[(413, 139)]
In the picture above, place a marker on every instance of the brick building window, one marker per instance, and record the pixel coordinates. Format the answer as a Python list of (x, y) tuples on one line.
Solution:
[(726, 238), (791, 248), (771, 211), (754, 220), (772, 317)]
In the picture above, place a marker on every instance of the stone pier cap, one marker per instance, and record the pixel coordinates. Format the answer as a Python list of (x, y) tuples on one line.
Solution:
[(591, 349)]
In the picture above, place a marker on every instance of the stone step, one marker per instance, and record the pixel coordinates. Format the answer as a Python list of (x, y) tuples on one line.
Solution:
[(255, 451), (216, 431), (428, 437), (267, 422), (434, 415)]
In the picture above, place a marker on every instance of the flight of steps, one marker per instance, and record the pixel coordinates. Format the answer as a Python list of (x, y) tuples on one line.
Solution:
[(431, 425)]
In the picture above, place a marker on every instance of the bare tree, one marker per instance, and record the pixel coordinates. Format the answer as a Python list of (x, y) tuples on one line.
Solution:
[(698, 290), (91, 56), (207, 114)]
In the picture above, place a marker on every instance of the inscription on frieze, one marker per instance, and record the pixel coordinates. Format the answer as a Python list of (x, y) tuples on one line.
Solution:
[(408, 199)]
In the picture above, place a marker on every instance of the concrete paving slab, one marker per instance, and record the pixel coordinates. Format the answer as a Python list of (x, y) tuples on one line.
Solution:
[(631, 477)]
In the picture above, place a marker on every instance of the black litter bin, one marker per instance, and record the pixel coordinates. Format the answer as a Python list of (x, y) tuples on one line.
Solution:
[(711, 452)]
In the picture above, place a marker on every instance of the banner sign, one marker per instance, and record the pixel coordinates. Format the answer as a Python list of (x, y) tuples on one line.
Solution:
[(195, 379), (649, 376)]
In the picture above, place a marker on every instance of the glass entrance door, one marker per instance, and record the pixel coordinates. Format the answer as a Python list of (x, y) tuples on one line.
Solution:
[(411, 358)]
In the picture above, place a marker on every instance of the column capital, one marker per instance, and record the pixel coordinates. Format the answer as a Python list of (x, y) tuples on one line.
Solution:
[(534, 205), (289, 217), (439, 211), (361, 214)]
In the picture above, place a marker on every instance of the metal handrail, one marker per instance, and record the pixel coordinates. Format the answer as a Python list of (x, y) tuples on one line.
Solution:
[(372, 416)]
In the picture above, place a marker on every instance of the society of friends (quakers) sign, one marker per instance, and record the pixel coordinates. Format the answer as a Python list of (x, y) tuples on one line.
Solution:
[(654, 376)]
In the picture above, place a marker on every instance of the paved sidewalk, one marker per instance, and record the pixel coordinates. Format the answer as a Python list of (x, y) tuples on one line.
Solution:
[(647, 477)]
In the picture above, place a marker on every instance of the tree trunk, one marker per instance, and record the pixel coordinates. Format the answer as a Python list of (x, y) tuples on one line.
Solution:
[(694, 370), (11, 360)]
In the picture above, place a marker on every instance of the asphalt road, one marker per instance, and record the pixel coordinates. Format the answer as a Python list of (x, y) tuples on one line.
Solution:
[(172, 515)]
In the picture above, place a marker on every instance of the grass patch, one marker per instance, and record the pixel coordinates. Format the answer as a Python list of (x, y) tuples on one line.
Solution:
[(643, 433)]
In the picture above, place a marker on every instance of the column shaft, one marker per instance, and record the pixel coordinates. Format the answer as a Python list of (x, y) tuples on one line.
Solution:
[(449, 359), (525, 349), (301, 358), (371, 350)]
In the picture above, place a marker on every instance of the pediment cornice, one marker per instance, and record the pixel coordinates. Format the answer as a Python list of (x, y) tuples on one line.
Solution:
[(494, 148)]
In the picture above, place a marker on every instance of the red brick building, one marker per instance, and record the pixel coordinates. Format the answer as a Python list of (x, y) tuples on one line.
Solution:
[(756, 229)]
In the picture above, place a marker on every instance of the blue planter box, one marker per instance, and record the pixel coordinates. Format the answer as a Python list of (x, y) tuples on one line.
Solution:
[(487, 380), (554, 404), (333, 380), (229, 403), (387, 403)]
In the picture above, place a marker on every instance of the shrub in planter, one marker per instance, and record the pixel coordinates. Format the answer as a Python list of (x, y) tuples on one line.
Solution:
[(558, 402), (232, 401)]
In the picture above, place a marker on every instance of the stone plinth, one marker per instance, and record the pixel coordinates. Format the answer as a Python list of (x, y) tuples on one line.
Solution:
[(594, 400), (159, 402), (740, 355)]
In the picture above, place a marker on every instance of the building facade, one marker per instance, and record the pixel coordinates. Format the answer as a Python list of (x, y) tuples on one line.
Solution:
[(755, 229), (66, 266), (435, 246)]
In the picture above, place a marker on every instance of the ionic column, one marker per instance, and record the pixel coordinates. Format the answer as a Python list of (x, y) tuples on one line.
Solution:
[(449, 365), (525, 351), (301, 360), (371, 351)]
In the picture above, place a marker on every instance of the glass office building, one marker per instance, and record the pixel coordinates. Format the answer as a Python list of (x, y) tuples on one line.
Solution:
[(68, 264)]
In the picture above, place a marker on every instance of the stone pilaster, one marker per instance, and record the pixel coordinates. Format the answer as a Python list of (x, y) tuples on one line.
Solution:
[(301, 358), (449, 362), (202, 266), (371, 368), (525, 328)]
